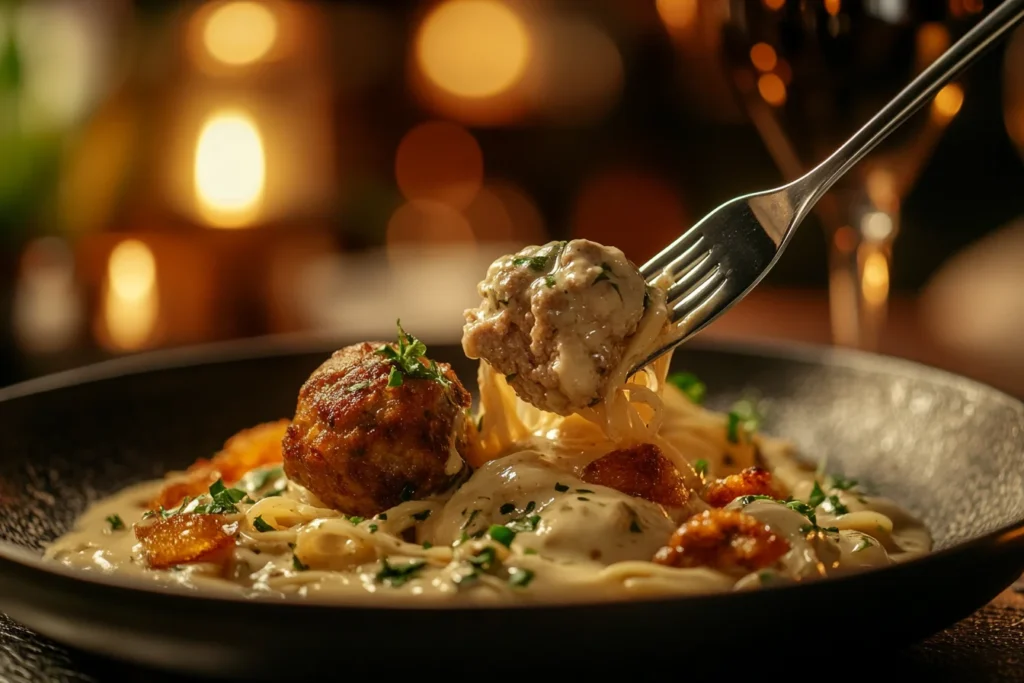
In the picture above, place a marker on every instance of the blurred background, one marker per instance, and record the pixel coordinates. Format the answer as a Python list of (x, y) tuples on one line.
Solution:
[(175, 173)]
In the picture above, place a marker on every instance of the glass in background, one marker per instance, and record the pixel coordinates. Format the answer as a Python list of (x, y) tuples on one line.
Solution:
[(810, 73)]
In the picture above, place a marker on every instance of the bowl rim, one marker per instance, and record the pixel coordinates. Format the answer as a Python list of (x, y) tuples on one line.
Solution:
[(1007, 537)]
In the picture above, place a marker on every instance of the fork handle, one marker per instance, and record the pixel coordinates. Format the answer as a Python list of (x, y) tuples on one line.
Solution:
[(810, 188)]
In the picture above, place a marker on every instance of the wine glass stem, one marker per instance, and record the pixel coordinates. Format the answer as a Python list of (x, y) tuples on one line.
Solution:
[(860, 264)]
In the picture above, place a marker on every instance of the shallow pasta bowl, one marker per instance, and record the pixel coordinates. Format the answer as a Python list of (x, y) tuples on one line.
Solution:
[(949, 449)]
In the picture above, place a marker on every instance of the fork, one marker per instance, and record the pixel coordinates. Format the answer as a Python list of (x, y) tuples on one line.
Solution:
[(719, 260)]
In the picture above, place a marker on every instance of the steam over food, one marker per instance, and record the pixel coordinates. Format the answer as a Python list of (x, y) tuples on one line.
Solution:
[(557, 320), (386, 486)]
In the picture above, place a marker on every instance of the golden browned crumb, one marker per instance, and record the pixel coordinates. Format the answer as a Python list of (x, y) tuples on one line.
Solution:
[(257, 446), (753, 481), (184, 539), (641, 471), (726, 540), (361, 446)]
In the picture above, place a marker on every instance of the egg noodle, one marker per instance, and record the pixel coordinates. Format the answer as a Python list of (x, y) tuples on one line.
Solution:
[(524, 525)]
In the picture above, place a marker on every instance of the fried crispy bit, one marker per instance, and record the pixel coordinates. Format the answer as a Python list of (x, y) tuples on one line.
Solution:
[(726, 540), (183, 539), (640, 471), (753, 481), (257, 446)]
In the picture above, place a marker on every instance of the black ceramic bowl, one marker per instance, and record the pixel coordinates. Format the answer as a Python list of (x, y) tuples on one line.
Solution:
[(949, 449)]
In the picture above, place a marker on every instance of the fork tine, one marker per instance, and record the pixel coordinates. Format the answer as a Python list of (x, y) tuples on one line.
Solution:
[(695, 271), (676, 253), (698, 295)]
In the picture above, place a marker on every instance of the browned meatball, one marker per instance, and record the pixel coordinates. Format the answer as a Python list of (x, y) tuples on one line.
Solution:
[(362, 446), (641, 471), (726, 540), (752, 481)]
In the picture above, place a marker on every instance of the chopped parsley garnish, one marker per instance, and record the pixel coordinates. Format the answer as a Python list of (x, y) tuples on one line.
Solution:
[(743, 418), (534, 262), (507, 508), (549, 280), (427, 545), (561, 488), (356, 519), (809, 528), (406, 363), (484, 559), (863, 544), (688, 383), (530, 507), (530, 551), (817, 496), (523, 524), (501, 534), (583, 491), (383, 516), (372, 528), (842, 483), (511, 377), (634, 527), (361, 385), (582, 498), (422, 515), (297, 563), (519, 577), (224, 500), (700, 466), (115, 522), (397, 575), (259, 524), (835, 506), (765, 576)]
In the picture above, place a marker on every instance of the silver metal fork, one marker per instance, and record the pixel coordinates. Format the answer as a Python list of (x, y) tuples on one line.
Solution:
[(720, 259)]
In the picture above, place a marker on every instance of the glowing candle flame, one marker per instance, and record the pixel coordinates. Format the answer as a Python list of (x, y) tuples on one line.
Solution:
[(230, 170)]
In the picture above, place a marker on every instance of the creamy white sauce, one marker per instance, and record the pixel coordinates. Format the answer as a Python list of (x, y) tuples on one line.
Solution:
[(578, 542)]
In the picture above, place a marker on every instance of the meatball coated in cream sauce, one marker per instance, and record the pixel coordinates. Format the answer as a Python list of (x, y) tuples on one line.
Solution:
[(361, 444), (556, 320)]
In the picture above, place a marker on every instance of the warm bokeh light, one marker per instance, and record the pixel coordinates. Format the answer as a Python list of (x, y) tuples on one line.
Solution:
[(238, 33), (883, 189), (877, 226), (833, 7), (875, 279), (947, 102), (630, 208), (772, 89), (932, 40), (46, 310), (774, 4), (1013, 89), (526, 219), (130, 304), (582, 72), (229, 170), (845, 239), (425, 223), (678, 14), (473, 48), (439, 161), (763, 57)]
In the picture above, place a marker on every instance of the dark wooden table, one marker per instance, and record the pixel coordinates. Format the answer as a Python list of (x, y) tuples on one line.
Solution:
[(986, 647)]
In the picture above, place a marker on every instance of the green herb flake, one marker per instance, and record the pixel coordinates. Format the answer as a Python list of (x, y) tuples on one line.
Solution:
[(582, 498), (583, 491), (700, 466), (407, 493), (549, 280), (817, 496), (223, 500), (373, 528), (863, 544), (744, 418), (534, 262), (842, 483), (383, 516), (297, 563), (405, 358), (501, 534), (398, 575), (484, 559), (836, 507), (115, 522), (732, 429), (689, 384), (606, 276), (530, 507), (259, 480), (427, 545), (362, 385), (524, 524), (259, 524), (635, 528), (520, 577), (530, 551), (561, 488), (507, 508), (356, 519), (422, 515)]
